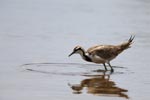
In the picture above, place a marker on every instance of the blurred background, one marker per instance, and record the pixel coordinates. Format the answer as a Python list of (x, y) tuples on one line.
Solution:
[(46, 31)]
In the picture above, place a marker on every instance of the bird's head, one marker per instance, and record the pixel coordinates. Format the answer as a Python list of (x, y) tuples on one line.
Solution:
[(77, 50)]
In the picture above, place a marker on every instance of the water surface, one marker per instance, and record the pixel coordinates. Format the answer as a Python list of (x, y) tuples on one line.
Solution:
[(36, 37)]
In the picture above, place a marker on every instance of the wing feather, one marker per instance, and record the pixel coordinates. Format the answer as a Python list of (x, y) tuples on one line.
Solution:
[(104, 51)]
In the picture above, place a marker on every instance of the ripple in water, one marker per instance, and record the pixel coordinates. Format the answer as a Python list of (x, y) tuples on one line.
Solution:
[(67, 68), (97, 83)]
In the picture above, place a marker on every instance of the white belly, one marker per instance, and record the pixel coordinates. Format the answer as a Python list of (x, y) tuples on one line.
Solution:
[(97, 59)]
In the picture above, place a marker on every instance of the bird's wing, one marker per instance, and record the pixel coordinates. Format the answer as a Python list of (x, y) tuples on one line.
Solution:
[(104, 51), (93, 48)]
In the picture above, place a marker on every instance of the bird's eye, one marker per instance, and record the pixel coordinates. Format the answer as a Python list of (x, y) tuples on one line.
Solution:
[(76, 50)]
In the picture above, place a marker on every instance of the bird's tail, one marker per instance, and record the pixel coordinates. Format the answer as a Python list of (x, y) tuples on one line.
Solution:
[(127, 44)]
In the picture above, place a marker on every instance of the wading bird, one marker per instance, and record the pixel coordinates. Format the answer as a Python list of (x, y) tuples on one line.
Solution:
[(102, 54)]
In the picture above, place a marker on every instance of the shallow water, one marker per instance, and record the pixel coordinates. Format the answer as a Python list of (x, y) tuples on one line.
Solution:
[(36, 37)]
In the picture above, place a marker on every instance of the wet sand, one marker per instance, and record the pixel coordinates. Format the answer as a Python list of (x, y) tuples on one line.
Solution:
[(36, 37)]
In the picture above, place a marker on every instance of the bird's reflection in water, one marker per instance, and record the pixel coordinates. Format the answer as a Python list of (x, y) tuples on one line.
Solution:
[(99, 85)]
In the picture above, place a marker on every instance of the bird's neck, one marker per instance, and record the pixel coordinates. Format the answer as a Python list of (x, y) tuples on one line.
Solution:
[(84, 56)]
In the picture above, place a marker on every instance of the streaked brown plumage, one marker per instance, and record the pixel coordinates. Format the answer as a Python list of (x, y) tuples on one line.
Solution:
[(102, 54)]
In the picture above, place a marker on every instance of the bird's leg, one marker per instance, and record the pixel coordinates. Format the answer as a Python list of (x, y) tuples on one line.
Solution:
[(112, 70), (105, 66)]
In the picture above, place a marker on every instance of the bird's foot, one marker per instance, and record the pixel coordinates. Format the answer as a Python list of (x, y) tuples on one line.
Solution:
[(112, 70)]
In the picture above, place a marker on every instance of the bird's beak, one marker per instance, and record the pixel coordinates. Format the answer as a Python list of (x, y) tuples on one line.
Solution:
[(71, 54)]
